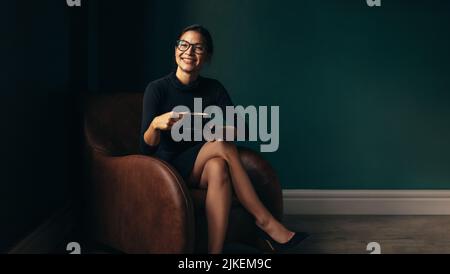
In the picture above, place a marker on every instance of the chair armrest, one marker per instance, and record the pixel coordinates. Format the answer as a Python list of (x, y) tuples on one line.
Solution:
[(138, 204), (264, 179)]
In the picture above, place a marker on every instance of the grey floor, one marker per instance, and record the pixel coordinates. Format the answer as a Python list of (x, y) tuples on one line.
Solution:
[(350, 234), (343, 234)]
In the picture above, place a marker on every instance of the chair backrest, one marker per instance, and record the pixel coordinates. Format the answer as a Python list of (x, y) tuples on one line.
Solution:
[(112, 122)]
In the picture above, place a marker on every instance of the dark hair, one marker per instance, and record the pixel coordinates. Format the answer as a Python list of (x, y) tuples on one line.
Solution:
[(205, 34)]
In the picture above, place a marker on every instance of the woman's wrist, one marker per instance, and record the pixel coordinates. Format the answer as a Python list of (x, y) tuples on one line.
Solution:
[(151, 135), (153, 125)]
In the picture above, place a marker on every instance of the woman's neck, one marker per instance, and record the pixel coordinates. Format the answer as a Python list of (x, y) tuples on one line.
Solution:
[(185, 77)]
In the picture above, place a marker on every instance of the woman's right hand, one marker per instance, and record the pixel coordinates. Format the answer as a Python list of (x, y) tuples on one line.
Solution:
[(165, 121)]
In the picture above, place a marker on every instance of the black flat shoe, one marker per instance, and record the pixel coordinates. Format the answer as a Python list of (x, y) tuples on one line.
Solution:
[(276, 246)]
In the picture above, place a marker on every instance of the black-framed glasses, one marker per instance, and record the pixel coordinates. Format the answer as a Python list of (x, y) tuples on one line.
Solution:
[(183, 45)]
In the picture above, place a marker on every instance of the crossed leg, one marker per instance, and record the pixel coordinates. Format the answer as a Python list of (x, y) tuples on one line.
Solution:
[(228, 154), (215, 178)]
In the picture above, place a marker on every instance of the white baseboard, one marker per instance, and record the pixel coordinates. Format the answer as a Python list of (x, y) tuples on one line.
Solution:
[(49, 235), (366, 202)]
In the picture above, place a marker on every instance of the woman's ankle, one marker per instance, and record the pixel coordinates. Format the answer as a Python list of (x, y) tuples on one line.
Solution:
[(266, 223)]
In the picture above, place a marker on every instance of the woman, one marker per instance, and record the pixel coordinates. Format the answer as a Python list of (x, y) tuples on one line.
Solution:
[(213, 165)]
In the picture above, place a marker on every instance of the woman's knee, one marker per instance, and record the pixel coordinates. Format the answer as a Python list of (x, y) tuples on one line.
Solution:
[(217, 171), (226, 150)]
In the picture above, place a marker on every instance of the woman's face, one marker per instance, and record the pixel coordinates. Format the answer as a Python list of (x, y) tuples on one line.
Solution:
[(190, 56)]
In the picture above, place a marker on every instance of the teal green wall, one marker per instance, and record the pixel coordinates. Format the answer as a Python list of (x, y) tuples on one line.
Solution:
[(363, 92)]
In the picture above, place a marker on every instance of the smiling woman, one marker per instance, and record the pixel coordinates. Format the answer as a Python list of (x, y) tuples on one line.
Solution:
[(194, 48), (211, 165)]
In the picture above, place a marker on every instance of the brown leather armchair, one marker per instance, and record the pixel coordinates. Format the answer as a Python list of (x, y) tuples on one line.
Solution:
[(139, 204)]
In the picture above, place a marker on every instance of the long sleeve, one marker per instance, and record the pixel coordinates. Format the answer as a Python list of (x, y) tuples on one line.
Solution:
[(149, 112)]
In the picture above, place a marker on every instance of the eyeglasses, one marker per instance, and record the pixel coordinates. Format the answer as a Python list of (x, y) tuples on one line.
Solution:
[(185, 45)]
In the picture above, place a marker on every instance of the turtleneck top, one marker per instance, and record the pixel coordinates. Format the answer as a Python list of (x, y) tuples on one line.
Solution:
[(163, 94)]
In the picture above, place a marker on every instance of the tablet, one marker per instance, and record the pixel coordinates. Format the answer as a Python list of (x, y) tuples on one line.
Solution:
[(202, 114)]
